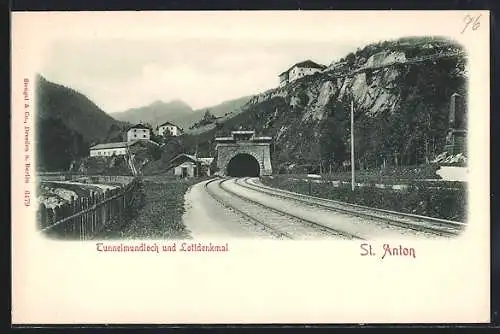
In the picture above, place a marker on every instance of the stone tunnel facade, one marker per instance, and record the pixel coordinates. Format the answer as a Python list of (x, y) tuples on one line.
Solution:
[(244, 142)]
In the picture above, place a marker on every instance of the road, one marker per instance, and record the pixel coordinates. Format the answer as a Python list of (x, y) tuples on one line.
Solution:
[(245, 208)]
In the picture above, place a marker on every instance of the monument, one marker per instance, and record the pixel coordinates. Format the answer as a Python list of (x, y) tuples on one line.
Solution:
[(456, 139)]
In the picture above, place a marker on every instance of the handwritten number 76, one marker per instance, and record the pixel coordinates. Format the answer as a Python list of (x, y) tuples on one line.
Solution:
[(468, 19)]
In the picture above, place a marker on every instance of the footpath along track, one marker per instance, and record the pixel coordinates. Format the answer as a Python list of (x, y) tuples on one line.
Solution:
[(274, 221), (418, 223)]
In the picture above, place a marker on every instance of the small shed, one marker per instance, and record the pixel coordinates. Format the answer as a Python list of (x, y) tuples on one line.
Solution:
[(186, 165)]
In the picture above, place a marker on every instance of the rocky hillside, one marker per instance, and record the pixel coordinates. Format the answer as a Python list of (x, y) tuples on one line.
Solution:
[(401, 107), (67, 124)]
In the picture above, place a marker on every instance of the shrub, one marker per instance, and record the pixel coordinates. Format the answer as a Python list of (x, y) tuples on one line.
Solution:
[(418, 198)]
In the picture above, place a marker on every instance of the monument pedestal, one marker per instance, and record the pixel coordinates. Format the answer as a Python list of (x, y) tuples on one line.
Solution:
[(456, 142)]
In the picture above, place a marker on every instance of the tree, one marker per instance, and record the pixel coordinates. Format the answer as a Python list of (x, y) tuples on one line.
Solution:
[(332, 135), (154, 151), (173, 147), (208, 117)]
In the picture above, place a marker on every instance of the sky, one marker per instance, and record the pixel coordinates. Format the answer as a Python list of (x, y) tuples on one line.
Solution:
[(129, 60), (122, 74)]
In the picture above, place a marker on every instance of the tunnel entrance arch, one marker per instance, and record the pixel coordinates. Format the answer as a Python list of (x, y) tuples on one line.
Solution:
[(243, 164), (252, 149)]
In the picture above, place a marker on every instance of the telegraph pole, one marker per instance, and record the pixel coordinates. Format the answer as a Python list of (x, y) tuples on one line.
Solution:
[(352, 144), (196, 160)]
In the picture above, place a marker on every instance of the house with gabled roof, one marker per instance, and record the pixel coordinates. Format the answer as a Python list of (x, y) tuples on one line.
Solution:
[(299, 70), (187, 165), (169, 128), (138, 132)]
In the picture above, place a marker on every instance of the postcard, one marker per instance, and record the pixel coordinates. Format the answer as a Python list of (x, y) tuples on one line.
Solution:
[(236, 167)]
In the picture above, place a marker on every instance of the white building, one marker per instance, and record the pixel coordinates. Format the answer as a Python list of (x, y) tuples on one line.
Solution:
[(110, 149), (138, 132), (300, 70), (169, 127)]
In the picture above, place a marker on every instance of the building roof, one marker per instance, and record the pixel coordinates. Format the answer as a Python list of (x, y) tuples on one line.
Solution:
[(145, 141), (246, 132), (139, 126), (306, 63), (264, 138), (206, 161), (224, 139), (168, 123), (121, 144), (183, 156), (234, 138)]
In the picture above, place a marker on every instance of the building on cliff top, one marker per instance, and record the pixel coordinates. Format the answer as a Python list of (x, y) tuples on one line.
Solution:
[(300, 70)]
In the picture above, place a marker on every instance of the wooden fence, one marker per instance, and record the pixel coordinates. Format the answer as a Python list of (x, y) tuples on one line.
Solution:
[(85, 217)]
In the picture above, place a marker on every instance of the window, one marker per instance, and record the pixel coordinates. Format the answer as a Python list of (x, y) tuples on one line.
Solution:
[(143, 136)]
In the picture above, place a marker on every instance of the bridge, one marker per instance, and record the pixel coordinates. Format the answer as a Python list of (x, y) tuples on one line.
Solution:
[(243, 154)]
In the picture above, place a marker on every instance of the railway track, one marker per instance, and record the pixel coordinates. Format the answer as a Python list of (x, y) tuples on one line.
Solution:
[(268, 228), (418, 223), (294, 226)]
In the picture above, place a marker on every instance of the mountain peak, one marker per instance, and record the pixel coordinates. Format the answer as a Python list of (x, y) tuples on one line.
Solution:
[(157, 103), (172, 103), (179, 102), (156, 112)]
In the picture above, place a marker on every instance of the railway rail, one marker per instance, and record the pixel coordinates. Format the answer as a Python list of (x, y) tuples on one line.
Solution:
[(294, 224), (418, 223)]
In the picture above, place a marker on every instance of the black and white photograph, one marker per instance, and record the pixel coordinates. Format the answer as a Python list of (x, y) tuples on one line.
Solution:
[(295, 140), (223, 134)]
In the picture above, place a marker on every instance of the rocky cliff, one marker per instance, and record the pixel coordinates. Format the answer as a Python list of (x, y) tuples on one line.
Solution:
[(400, 91)]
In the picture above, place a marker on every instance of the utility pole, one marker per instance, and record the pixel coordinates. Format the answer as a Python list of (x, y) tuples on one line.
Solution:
[(352, 144), (196, 160)]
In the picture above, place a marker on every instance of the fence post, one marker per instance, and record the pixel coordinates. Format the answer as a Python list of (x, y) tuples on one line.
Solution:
[(65, 212), (57, 217), (78, 222), (91, 214), (42, 216), (50, 218), (74, 210), (83, 225), (105, 208)]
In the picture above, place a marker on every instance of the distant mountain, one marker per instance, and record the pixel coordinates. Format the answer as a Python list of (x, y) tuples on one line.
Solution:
[(178, 112), (221, 111), (67, 124), (155, 113)]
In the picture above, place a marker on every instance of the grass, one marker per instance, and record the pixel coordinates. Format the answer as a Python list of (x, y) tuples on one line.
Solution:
[(441, 203), (390, 175), (158, 211)]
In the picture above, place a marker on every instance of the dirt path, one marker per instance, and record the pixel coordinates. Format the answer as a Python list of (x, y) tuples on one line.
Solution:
[(206, 218)]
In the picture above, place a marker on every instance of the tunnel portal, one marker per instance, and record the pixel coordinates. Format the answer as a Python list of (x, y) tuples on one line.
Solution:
[(243, 154), (243, 165)]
